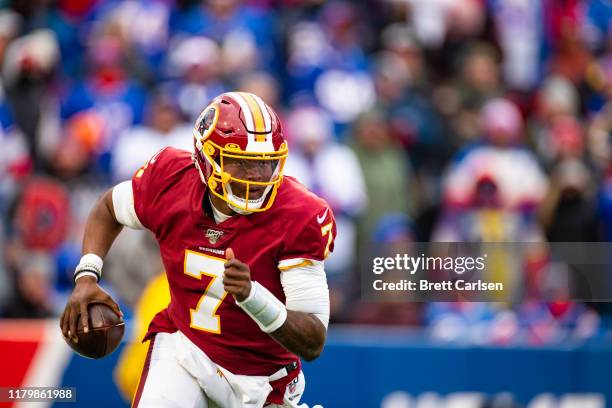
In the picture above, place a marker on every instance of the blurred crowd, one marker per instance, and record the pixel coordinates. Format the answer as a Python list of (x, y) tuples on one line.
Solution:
[(417, 120)]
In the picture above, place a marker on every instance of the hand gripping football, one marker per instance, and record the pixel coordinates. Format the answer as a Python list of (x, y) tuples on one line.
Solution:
[(105, 332)]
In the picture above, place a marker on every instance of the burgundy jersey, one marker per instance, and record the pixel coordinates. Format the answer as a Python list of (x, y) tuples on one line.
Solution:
[(168, 198)]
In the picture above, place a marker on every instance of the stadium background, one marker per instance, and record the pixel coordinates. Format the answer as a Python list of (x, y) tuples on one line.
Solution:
[(439, 120)]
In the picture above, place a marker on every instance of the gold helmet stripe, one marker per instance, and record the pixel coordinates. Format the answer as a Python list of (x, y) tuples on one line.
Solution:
[(266, 113), (258, 119)]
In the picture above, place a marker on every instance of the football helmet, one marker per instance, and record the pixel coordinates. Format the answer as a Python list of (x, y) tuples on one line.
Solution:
[(240, 151)]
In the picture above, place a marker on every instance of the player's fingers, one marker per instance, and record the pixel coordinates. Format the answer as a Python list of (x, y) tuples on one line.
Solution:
[(72, 321), (235, 263), (238, 291), (66, 322), (237, 271), (231, 272), (63, 326), (235, 278), (231, 279), (228, 280), (229, 254), (84, 317), (228, 284), (232, 289), (113, 305)]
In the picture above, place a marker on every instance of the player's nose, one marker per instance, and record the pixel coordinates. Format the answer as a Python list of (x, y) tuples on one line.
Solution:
[(254, 173)]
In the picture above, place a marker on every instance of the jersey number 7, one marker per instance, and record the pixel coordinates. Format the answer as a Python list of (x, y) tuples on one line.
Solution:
[(204, 317)]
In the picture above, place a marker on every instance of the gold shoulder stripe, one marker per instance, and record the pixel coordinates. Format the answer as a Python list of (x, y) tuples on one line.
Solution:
[(305, 262)]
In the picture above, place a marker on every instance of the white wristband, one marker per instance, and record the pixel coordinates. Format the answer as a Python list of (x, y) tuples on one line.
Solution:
[(262, 306), (89, 263), (85, 273)]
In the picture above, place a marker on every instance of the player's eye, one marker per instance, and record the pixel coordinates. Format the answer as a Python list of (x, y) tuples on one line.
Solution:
[(267, 165)]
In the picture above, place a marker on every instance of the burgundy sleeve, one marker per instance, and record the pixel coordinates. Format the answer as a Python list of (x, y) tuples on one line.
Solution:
[(313, 239), (144, 188)]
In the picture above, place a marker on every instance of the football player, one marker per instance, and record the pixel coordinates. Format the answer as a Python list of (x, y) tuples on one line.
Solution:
[(227, 222)]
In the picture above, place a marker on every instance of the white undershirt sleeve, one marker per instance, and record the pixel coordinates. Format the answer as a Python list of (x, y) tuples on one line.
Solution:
[(123, 204), (306, 290)]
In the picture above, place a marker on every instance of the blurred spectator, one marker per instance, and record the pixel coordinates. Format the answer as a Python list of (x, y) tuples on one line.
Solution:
[(144, 31), (434, 20), (108, 87), (487, 220), (403, 89), (479, 80), (10, 24), (164, 127), (569, 212), (596, 28), (246, 34), (491, 193), (15, 162), (598, 82), (41, 217), (327, 59), (39, 224), (572, 56), (83, 141), (557, 98), (502, 158), (599, 143), (33, 294), (194, 64), (307, 54), (347, 32), (521, 37), (387, 173), (601, 146), (314, 157), (398, 40), (29, 62)]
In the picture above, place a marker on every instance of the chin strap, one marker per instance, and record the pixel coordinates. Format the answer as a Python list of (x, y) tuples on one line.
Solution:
[(194, 158)]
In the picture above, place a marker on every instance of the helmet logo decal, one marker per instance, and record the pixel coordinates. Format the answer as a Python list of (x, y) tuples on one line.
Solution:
[(207, 121)]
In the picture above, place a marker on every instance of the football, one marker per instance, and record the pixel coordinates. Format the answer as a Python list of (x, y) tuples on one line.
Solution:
[(105, 332)]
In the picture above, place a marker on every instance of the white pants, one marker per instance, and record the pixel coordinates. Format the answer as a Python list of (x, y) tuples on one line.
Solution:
[(179, 374)]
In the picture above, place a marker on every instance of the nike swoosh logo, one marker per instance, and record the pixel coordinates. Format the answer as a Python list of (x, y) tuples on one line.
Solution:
[(322, 218)]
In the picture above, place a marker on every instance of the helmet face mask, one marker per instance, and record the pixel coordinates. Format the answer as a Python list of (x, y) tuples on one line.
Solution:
[(240, 151)]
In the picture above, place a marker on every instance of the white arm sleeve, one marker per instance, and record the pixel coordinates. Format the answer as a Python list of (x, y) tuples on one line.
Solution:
[(306, 290), (123, 204)]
